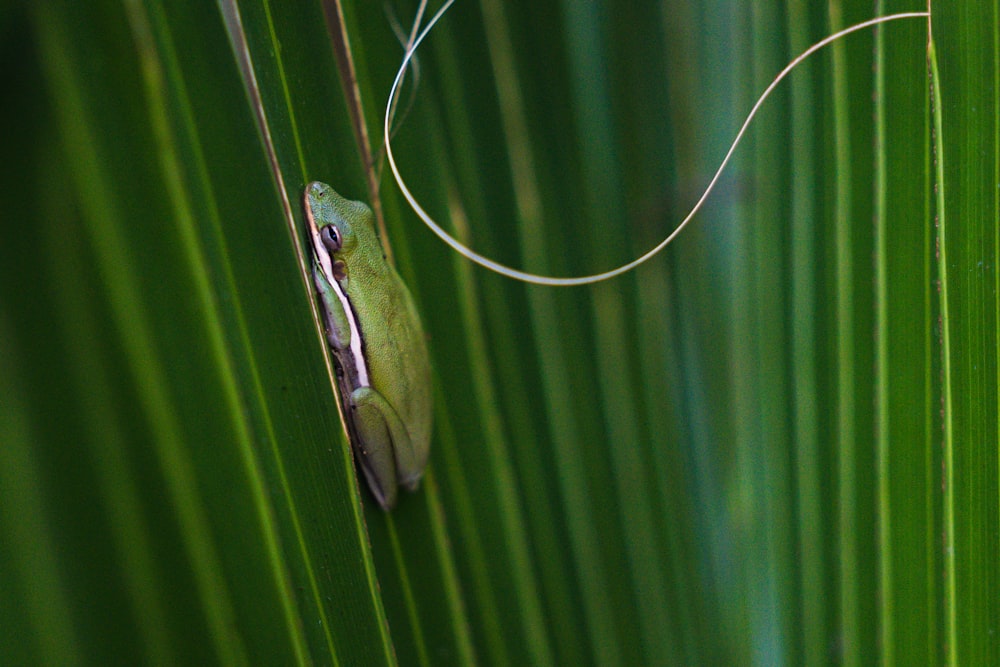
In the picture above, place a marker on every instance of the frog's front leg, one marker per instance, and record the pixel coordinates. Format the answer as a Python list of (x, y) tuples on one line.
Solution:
[(338, 327), (388, 458)]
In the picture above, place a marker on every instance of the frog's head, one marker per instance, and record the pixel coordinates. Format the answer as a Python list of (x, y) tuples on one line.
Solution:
[(343, 225)]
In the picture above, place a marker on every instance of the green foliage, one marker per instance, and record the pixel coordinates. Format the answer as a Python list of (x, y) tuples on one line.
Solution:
[(776, 442)]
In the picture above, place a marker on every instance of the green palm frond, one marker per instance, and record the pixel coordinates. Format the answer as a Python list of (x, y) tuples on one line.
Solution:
[(775, 442)]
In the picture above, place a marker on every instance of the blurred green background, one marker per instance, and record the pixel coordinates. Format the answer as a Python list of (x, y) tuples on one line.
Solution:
[(777, 442)]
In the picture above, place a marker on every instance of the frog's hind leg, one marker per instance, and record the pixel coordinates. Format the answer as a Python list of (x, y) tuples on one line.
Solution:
[(382, 438)]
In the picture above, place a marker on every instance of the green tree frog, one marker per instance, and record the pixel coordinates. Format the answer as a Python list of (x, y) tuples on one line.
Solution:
[(379, 352)]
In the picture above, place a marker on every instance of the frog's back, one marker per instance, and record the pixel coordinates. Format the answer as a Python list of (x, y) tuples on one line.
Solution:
[(398, 363)]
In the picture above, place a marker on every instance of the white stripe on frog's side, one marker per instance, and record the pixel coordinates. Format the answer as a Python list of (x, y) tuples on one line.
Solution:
[(326, 265)]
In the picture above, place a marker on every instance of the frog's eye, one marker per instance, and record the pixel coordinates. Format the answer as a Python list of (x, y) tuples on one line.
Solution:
[(331, 238)]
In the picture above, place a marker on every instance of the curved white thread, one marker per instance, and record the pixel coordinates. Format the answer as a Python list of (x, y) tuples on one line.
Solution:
[(536, 279)]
